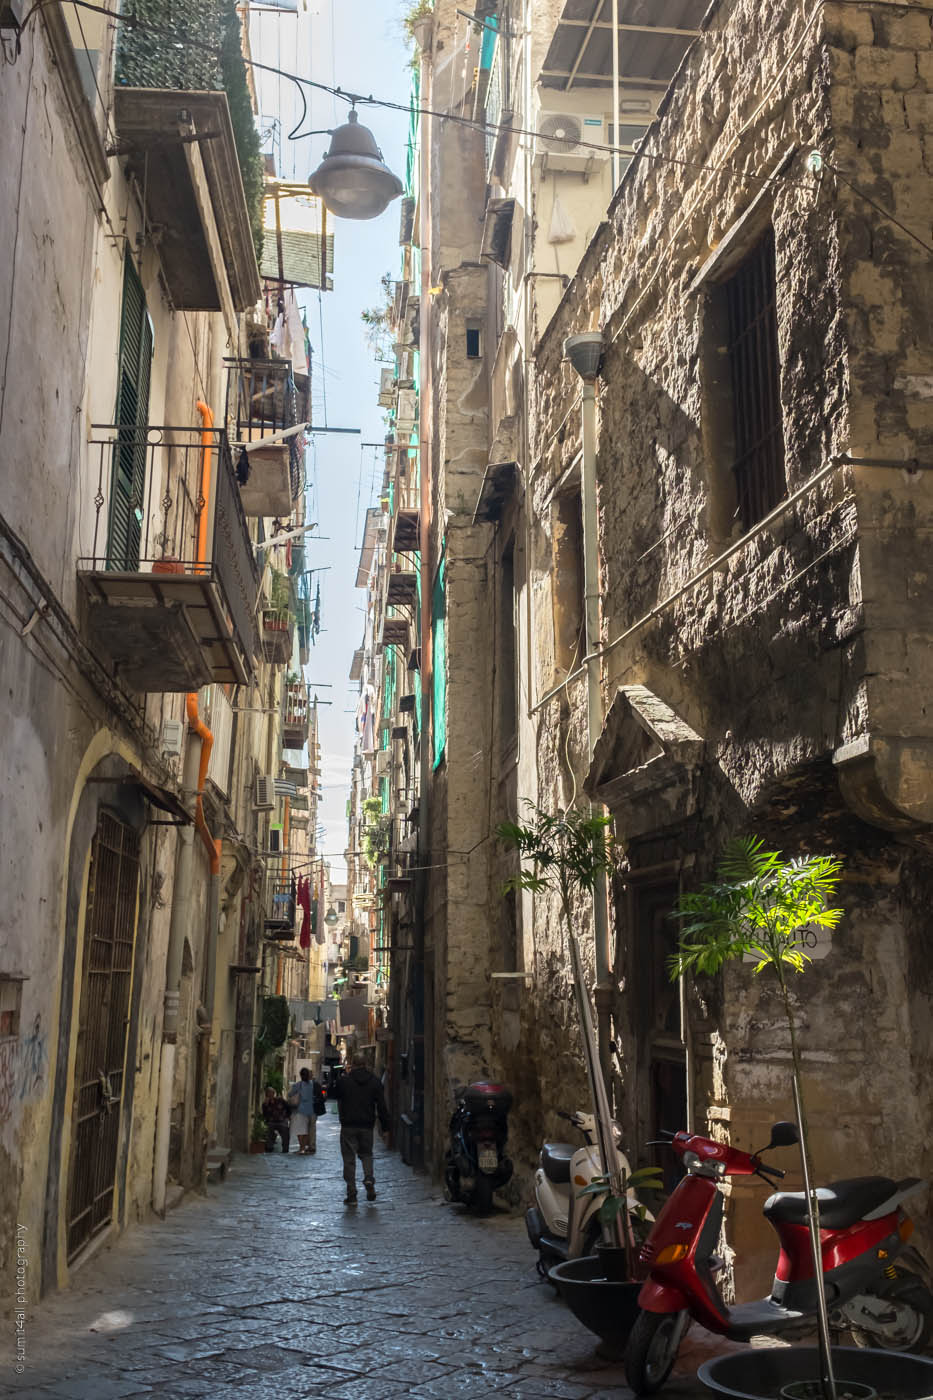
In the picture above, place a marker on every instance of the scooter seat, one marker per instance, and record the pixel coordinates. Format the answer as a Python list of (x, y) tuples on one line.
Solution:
[(841, 1203), (555, 1160)]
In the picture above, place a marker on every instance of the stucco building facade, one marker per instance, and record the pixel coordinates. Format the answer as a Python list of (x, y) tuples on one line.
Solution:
[(147, 625)]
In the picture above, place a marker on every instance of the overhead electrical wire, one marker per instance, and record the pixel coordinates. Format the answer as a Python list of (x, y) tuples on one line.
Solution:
[(360, 99)]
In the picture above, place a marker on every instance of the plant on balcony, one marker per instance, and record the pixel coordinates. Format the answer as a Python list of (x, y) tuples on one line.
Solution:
[(197, 49), (376, 321), (417, 10), (276, 615), (273, 1025), (376, 837)]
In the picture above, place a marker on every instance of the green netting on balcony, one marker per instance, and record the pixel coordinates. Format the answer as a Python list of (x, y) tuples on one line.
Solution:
[(196, 48)]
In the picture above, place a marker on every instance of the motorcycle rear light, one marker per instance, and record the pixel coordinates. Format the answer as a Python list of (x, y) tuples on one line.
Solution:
[(672, 1253), (906, 1228)]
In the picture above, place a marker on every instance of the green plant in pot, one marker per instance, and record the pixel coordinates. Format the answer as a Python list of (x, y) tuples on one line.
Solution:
[(762, 908), (257, 1134), (566, 854), (619, 1213)]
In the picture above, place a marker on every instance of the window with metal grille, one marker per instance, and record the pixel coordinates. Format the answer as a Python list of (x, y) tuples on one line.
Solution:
[(751, 309)]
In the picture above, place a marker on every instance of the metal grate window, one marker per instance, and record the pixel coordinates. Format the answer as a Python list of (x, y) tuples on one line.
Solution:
[(751, 304)]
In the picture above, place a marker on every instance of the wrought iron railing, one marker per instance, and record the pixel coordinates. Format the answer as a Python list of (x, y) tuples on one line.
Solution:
[(262, 401), (167, 502)]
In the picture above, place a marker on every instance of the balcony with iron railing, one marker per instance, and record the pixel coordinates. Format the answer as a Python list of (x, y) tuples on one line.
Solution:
[(266, 417), (183, 126), (277, 620), (295, 715), (171, 582), (279, 906)]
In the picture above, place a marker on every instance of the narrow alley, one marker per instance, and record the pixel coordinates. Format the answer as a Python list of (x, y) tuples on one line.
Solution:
[(271, 1287)]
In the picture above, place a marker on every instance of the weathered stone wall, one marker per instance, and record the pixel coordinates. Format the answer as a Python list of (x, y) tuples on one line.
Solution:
[(804, 639)]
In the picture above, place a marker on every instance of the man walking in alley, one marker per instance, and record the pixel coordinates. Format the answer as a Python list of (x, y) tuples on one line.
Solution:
[(359, 1096), (304, 1097)]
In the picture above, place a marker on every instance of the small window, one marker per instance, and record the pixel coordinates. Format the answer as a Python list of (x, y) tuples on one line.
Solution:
[(750, 307), (567, 573), (11, 991), (473, 342)]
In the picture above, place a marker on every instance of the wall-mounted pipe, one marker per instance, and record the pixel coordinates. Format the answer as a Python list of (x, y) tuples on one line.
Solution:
[(195, 774), (207, 453)]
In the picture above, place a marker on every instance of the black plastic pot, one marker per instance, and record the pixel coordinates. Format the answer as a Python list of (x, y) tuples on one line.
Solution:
[(613, 1261), (607, 1307), (763, 1372)]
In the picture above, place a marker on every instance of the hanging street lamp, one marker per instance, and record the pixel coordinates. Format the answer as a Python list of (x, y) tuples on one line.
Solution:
[(353, 180)]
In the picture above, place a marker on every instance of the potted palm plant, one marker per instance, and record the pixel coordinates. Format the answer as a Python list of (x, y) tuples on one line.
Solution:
[(764, 908), (564, 854)]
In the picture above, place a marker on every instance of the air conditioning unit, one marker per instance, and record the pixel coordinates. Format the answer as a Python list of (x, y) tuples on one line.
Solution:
[(173, 737), (264, 800), (405, 413), (386, 387), (569, 140)]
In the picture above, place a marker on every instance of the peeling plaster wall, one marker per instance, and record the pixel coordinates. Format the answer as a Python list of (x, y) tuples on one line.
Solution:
[(60, 306), (813, 634)]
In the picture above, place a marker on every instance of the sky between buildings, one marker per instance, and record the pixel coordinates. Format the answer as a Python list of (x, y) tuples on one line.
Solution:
[(359, 46)]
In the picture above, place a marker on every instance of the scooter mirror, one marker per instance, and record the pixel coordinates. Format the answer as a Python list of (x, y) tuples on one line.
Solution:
[(783, 1134)]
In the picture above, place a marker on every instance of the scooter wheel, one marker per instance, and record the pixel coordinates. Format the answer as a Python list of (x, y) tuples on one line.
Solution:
[(481, 1200), (913, 1330), (652, 1350)]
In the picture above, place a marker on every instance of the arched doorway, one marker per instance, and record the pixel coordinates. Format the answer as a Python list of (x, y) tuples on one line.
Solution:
[(99, 1085)]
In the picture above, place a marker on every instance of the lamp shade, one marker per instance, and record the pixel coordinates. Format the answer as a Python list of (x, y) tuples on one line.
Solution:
[(585, 352), (352, 179)]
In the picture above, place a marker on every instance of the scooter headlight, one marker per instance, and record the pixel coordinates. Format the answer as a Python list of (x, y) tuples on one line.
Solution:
[(691, 1161), (672, 1253)]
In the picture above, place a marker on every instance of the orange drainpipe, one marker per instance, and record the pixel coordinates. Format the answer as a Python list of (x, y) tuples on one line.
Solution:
[(212, 847), (207, 449)]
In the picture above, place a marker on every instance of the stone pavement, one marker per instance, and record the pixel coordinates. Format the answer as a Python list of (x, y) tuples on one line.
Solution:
[(272, 1289)]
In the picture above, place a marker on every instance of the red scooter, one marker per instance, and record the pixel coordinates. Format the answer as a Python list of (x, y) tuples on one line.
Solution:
[(862, 1229)]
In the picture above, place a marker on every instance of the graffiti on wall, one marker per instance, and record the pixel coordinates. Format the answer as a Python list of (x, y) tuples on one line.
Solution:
[(23, 1062)]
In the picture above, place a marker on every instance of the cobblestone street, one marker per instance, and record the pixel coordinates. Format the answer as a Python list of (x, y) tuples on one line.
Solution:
[(272, 1289)]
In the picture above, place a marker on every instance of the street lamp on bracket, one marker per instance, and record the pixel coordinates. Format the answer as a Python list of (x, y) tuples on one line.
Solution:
[(353, 180)]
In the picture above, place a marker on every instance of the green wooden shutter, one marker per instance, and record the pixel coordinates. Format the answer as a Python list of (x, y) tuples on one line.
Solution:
[(132, 415)]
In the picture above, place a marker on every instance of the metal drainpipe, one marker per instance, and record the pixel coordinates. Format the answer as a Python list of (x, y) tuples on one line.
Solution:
[(584, 352), (425, 436), (181, 903), (195, 774)]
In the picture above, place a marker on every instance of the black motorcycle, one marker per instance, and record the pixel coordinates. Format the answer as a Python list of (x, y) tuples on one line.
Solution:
[(476, 1163)]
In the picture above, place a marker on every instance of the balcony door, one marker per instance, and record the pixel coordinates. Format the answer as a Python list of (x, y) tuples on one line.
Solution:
[(132, 418)]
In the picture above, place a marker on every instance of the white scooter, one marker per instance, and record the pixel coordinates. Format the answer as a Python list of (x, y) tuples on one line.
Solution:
[(562, 1224)]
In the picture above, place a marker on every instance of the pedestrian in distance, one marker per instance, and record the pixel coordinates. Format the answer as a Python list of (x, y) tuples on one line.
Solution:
[(276, 1113), (306, 1098), (359, 1098)]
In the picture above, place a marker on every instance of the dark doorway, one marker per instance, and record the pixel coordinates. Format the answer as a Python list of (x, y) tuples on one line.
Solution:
[(110, 923), (661, 1055)]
